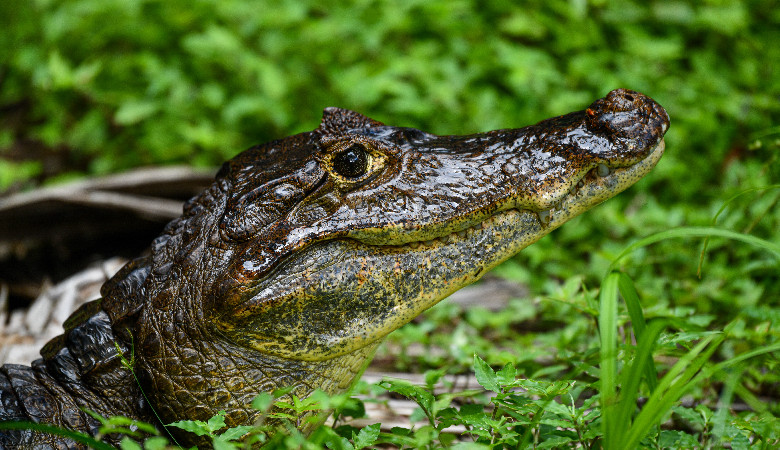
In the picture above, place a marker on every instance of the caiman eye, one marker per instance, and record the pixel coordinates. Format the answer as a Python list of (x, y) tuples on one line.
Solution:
[(352, 162)]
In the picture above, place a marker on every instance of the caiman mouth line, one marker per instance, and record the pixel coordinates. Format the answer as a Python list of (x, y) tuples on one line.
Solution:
[(573, 203)]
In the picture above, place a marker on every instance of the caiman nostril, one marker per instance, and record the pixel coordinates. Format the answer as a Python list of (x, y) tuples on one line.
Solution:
[(624, 100), (627, 114)]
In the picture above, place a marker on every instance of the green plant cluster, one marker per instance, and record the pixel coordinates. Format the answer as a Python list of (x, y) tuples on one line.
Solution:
[(518, 413), (107, 85), (588, 398)]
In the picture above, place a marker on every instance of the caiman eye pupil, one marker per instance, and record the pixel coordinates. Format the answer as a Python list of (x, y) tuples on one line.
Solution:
[(352, 162)]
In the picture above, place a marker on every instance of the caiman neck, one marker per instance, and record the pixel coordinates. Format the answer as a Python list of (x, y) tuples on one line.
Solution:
[(198, 376), (161, 305)]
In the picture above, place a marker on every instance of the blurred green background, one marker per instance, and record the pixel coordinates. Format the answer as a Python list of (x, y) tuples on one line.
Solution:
[(99, 86), (91, 87)]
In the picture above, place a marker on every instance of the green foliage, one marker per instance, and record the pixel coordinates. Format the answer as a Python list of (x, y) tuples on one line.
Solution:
[(12, 173), (196, 82), (216, 423), (51, 429), (122, 425), (362, 439), (631, 350)]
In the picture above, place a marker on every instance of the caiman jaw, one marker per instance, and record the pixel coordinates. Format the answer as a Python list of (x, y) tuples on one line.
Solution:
[(598, 185), (345, 290), (492, 240)]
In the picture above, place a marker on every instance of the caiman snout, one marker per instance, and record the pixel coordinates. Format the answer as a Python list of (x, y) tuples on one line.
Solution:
[(628, 114)]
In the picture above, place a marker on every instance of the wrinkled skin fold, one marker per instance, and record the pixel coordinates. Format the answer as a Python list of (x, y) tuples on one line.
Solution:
[(307, 251)]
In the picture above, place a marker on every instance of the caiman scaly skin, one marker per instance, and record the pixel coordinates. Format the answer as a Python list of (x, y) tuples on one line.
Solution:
[(307, 251)]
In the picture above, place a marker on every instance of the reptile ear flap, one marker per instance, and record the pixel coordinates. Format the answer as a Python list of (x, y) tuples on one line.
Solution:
[(338, 121)]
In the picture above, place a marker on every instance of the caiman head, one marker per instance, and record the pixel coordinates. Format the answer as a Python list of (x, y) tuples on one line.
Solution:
[(308, 250)]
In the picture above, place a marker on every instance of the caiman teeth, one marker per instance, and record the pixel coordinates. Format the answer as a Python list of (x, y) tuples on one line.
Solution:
[(544, 217)]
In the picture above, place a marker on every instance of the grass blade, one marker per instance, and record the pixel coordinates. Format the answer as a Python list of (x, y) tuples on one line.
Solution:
[(81, 438), (684, 232), (632, 376), (630, 296), (671, 387), (710, 371), (726, 397), (608, 332), (720, 210)]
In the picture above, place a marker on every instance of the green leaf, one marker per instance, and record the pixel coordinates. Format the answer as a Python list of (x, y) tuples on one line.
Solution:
[(81, 438), (634, 307), (220, 444), (217, 422), (632, 374), (128, 444), (352, 407), (126, 422), (367, 436), (419, 395), (506, 375), (281, 404), (198, 427), (134, 111), (723, 208), (554, 442), (676, 382), (486, 377), (740, 442), (236, 432), (400, 437), (690, 415), (14, 172), (446, 439), (263, 401), (424, 436), (339, 443), (156, 443), (676, 439), (281, 392), (433, 376), (470, 446), (683, 232)]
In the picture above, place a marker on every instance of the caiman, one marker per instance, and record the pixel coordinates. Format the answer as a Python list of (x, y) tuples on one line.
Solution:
[(306, 252)]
